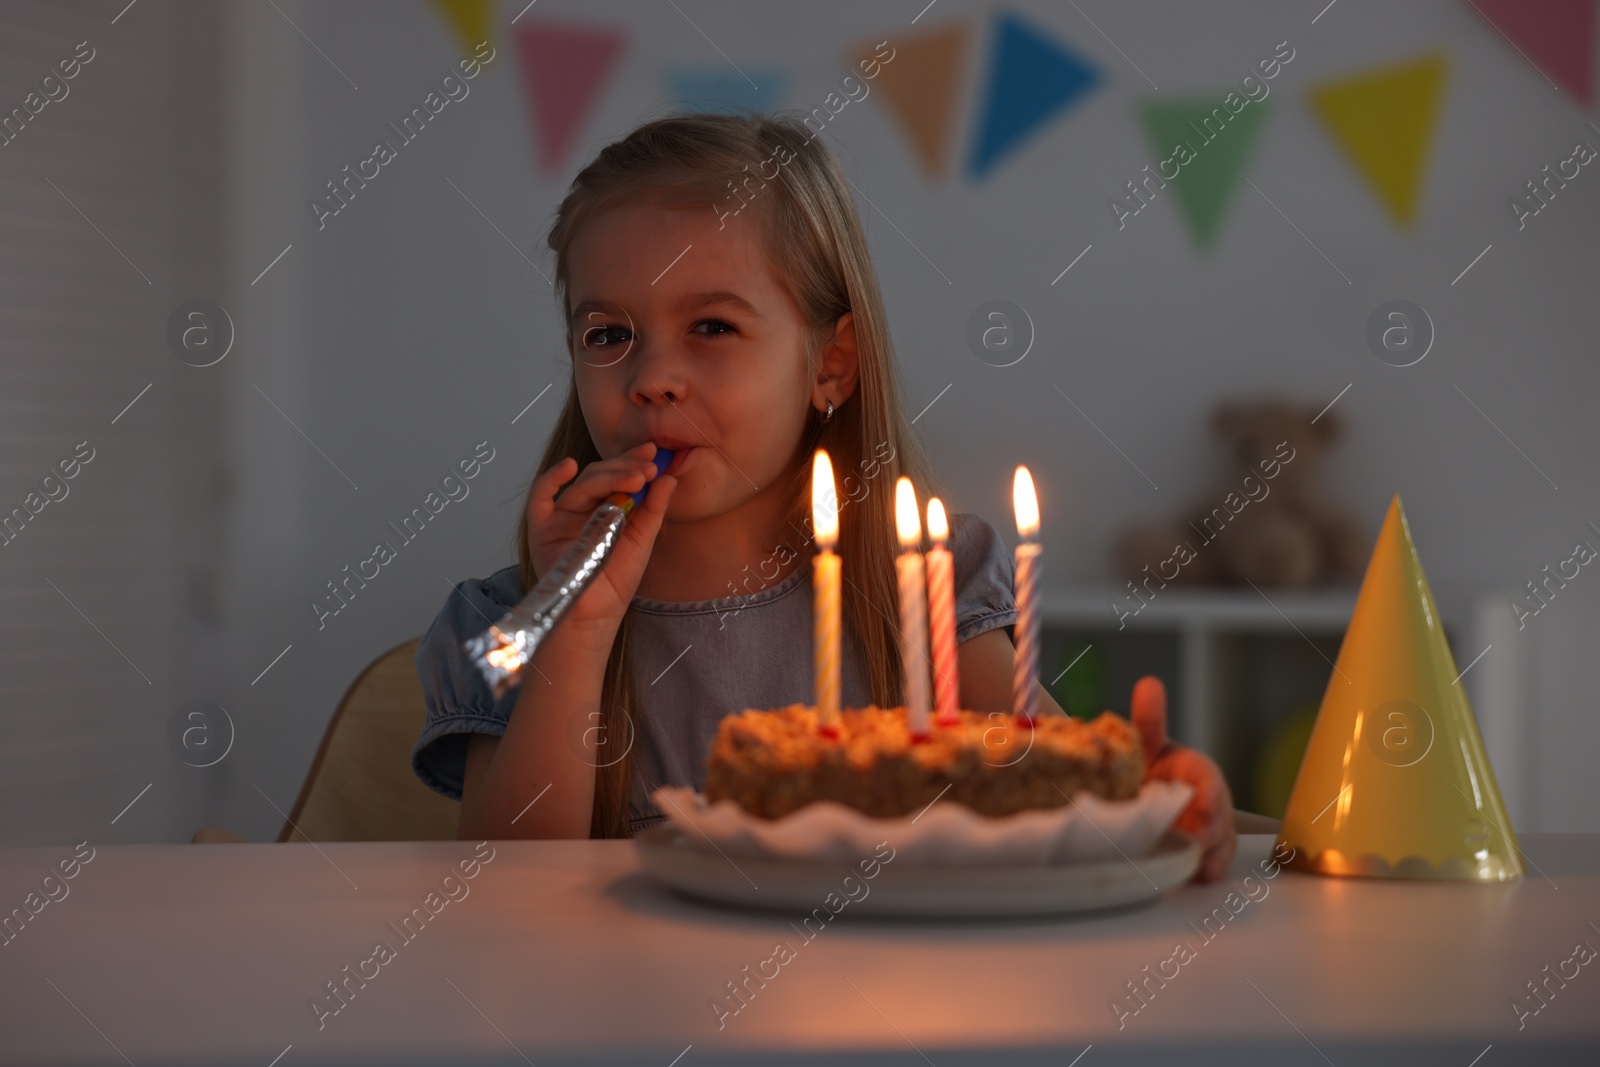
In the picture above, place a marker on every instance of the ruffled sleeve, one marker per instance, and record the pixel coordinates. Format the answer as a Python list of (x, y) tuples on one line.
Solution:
[(458, 699), (983, 577)]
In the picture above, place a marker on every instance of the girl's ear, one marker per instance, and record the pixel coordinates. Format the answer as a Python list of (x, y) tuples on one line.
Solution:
[(838, 365)]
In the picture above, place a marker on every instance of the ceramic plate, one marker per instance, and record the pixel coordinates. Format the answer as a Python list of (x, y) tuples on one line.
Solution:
[(1086, 830), (900, 888)]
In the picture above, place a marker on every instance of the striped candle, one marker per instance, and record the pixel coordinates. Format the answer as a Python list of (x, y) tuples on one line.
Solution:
[(825, 574), (1025, 670), (942, 618), (913, 608)]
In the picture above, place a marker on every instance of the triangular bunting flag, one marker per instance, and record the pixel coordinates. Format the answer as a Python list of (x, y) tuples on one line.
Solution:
[(1557, 36), (469, 19), (1384, 122), (1208, 142), (564, 68), (920, 85), (719, 89), (1031, 78), (1395, 782)]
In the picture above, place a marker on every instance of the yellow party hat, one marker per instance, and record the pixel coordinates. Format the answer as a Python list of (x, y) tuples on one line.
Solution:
[(1395, 782)]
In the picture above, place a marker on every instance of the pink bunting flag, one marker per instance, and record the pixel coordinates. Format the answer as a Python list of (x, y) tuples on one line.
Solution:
[(565, 67), (1557, 36)]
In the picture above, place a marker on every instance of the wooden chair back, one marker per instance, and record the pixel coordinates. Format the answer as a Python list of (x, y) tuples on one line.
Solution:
[(361, 786)]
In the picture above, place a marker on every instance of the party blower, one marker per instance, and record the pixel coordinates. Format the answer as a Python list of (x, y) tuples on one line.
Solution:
[(501, 651)]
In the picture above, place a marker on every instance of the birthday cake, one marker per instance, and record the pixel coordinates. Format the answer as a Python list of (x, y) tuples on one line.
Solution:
[(771, 763)]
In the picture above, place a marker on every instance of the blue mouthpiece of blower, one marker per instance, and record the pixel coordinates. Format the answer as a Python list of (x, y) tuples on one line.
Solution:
[(663, 458)]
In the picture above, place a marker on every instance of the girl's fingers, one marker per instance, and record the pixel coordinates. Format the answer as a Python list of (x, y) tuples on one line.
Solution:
[(556, 519), (1148, 713), (600, 480), (542, 496), (1208, 817), (1200, 815), (627, 564), (647, 518), (1214, 808), (545, 486)]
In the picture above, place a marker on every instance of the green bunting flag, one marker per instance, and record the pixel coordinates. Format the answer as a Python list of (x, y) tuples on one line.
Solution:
[(1201, 143)]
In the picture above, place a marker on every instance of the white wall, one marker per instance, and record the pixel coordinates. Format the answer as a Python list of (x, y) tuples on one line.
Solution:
[(109, 205), (408, 330)]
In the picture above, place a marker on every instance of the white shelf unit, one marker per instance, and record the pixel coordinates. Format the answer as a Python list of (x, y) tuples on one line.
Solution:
[(1202, 621), (1217, 681), (1215, 699)]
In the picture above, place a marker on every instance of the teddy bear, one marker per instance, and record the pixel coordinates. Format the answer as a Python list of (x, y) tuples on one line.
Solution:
[(1270, 522)]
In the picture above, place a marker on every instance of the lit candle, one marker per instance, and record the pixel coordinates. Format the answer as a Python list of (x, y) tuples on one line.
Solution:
[(913, 608), (825, 570), (942, 618), (1026, 665)]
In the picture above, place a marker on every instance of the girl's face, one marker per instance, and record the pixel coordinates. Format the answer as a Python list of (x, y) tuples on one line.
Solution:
[(682, 334)]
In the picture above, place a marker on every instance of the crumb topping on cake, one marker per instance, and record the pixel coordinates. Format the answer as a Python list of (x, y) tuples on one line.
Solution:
[(774, 762)]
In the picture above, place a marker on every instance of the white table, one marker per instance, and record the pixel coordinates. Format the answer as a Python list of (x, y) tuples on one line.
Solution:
[(563, 953)]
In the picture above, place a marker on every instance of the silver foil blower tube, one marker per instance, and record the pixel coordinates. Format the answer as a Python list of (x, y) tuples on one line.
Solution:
[(502, 651)]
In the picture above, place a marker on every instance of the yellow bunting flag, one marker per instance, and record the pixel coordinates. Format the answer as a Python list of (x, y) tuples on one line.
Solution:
[(920, 85), (1384, 121), (1395, 782), (469, 19)]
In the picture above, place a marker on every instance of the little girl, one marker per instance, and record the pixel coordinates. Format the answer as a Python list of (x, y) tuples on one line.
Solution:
[(720, 303)]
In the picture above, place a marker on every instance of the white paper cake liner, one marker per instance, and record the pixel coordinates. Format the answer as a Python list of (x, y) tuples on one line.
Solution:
[(1088, 830)]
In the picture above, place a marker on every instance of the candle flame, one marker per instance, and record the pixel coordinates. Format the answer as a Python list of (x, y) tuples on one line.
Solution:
[(907, 523), (824, 501), (938, 527), (1025, 503)]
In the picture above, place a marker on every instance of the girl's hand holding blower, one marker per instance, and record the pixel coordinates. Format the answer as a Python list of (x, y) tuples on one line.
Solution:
[(554, 520)]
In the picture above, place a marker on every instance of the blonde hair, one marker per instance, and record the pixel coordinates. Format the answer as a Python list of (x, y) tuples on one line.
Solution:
[(805, 210)]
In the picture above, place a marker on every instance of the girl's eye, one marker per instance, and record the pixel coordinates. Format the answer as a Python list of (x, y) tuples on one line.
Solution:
[(601, 336), (714, 327)]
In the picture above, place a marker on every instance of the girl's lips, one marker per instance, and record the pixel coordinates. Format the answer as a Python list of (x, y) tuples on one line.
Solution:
[(678, 457)]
